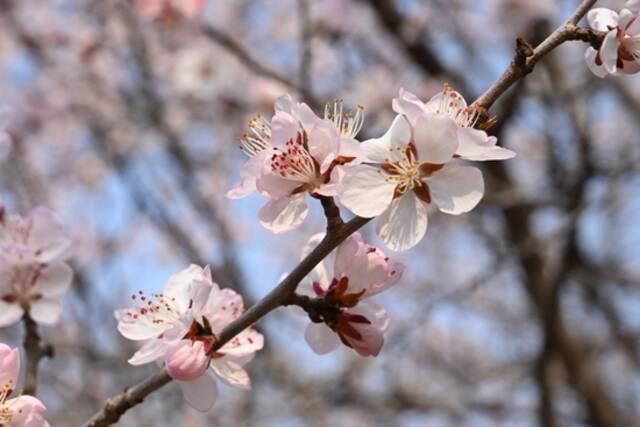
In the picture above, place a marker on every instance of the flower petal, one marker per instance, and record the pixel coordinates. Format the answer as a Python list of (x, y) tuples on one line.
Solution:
[(248, 176), (26, 411), (284, 214), (474, 144), (377, 150), (231, 373), (152, 350), (435, 138), (137, 328), (10, 313), (609, 51), (404, 223), (365, 190), (409, 105), (321, 338), (47, 236), (54, 280), (601, 19), (200, 393), (46, 311), (456, 189), (186, 360), (590, 56), (9, 365)]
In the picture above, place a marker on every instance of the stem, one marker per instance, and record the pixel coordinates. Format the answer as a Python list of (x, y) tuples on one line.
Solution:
[(35, 351)]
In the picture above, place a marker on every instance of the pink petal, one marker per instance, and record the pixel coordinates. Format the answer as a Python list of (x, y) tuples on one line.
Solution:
[(365, 190), (46, 311), (200, 393), (601, 19), (10, 313), (321, 338), (409, 105), (248, 175), (231, 373), (9, 365), (186, 360), (54, 280), (404, 223), (456, 189), (284, 214), (435, 138), (47, 235), (152, 350), (27, 411)]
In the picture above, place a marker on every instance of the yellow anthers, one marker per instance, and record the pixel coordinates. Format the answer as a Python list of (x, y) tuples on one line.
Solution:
[(348, 123), (258, 138)]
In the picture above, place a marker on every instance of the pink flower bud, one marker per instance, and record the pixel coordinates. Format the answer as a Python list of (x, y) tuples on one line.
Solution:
[(186, 360)]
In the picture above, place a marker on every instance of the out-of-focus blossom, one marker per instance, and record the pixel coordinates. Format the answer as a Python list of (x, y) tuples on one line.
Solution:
[(294, 154), (180, 326), (170, 10), (33, 274), (358, 272), (21, 411), (620, 49)]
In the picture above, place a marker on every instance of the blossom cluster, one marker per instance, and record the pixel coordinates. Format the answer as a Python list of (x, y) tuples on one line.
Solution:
[(620, 49)]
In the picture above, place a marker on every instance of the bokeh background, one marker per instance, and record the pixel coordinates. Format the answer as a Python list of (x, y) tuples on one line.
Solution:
[(126, 117)]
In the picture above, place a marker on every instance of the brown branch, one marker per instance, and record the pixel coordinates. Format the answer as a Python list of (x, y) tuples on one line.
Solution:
[(519, 68), (35, 350), (117, 405)]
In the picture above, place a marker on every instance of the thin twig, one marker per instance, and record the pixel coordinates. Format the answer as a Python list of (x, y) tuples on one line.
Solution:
[(518, 68), (35, 350)]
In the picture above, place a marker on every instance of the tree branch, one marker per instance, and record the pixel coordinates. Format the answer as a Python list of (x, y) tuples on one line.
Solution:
[(35, 350), (520, 67)]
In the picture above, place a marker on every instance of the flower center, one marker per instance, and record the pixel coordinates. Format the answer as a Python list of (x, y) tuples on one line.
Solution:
[(403, 168), (22, 278), (157, 308), (258, 138), (347, 122), (295, 162), (454, 106), (6, 415)]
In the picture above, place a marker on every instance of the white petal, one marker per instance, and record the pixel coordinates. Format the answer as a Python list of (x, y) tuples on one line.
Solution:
[(273, 186), (404, 224), (600, 19), (152, 350), (435, 138), (46, 311), (26, 411), (409, 105), (284, 214), (633, 5), (137, 329), (324, 144), (474, 144), (590, 57), (231, 373), (376, 150), (184, 285), (321, 338), (47, 235), (320, 273), (365, 190), (9, 313), (609, 51), (248, 175), (283, 128), (200, 393), (9, 364), (54, 280), (456, 189), (284, 103)]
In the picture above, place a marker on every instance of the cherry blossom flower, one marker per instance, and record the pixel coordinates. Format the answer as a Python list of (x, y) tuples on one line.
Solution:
[(358, 271), (21, 411), (473, 144), (170, 10), (294, 154), (33, 274), (180, 326), (620, 50)]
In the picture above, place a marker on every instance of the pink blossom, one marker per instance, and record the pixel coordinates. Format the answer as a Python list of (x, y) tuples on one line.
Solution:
[(620, 50), (179, 326), (170, 10), (358, 272), (295, 154), (33, 274), (21, 411)]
